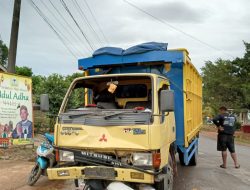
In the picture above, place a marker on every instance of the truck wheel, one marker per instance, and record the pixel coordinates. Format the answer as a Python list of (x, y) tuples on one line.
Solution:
[(181, 158), (193, 160)]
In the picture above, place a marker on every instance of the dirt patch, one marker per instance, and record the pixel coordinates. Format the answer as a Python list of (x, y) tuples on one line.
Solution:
[(14, 175), (243, 138), (18, 153), (240, 137)]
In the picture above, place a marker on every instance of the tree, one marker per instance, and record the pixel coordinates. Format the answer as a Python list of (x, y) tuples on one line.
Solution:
[(3, 54), (227, 82), (56, 87), (24, 71), (38, 87), (243, 74), (220, 84)]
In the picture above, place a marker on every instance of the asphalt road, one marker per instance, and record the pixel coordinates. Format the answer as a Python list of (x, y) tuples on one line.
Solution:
[(207, 175)]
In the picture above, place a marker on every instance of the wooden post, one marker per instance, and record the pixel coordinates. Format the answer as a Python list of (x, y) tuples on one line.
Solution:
[(14, 37)]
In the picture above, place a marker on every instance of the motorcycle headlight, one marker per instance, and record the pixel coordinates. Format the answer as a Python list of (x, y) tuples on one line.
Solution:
[(44, 151), (142, 159), (66, 156)]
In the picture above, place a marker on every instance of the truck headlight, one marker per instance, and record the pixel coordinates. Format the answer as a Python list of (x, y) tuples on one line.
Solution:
[(66, 156), (142, 159)]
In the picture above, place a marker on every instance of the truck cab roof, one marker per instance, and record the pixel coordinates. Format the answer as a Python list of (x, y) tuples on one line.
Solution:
[(120, 75)]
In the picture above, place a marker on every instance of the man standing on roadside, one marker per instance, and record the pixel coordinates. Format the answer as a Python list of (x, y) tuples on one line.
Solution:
[(225, 140)]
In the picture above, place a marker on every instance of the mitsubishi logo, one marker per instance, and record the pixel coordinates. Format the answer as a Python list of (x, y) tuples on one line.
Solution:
[(103, 138)]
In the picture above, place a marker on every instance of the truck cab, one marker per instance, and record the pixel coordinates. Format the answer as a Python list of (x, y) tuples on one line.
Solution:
[(118, 122)]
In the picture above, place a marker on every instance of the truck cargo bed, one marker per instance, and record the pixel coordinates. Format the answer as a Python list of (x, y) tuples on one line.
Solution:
[(187, 84)]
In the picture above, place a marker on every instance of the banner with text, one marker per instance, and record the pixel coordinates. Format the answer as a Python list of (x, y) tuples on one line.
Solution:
[(16, 112)]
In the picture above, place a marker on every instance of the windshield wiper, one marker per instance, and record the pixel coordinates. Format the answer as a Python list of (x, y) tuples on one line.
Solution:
[(72, 116), (118, 113)]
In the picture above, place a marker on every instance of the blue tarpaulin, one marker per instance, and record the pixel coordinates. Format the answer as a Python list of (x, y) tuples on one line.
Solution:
[(145, 47), (141, 48), (108, 51)]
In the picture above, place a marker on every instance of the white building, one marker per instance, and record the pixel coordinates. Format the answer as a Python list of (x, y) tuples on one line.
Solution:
[(244, 117)]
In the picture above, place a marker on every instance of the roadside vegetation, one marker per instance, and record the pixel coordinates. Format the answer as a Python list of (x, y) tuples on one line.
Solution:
[(227, 83), (240, 137)]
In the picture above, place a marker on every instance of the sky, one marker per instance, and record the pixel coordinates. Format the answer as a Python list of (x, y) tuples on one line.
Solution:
[(217, 29)]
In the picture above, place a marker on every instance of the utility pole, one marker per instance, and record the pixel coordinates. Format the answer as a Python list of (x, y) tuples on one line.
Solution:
[(14, 37)]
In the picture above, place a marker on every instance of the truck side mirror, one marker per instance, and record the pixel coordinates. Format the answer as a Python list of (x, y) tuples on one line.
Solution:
[(44, 102), (167, 100)]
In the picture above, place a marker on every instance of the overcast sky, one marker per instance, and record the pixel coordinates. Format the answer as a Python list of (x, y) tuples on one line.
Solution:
[(222, 24)]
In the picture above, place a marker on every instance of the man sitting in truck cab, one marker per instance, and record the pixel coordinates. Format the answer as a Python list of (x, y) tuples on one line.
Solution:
[(106, 98)]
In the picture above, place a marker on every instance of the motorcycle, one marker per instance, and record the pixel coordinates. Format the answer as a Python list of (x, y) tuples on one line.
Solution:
[(45, 159)]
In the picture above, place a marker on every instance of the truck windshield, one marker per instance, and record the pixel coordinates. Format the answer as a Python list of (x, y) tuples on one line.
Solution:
[(110, 98)]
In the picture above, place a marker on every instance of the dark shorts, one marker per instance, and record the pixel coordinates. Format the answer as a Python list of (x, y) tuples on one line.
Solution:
[(225, 142)]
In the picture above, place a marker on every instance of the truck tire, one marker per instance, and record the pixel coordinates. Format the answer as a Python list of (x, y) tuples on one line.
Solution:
[(193, 160), (181, 158)]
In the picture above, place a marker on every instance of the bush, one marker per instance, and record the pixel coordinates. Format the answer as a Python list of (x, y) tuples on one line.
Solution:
[(237, 125)]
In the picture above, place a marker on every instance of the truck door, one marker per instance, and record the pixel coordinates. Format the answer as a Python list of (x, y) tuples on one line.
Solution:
[(167, 120)]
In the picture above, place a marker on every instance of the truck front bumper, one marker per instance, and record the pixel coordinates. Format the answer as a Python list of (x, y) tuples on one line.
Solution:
[(120, 174)]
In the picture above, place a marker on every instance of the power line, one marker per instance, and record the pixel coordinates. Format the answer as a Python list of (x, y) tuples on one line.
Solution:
[(52, 28), (99, 27), (67, 23), (84, 35), (175, 28), (96, 36), (45, 5)]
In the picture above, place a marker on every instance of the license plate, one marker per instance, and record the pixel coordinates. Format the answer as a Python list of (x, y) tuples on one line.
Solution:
[(97, 172)]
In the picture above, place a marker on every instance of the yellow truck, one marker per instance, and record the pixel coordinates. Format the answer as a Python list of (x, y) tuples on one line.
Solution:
[(120, 126)]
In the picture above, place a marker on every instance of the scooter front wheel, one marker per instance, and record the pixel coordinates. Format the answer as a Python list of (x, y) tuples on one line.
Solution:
[(34, 174)]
